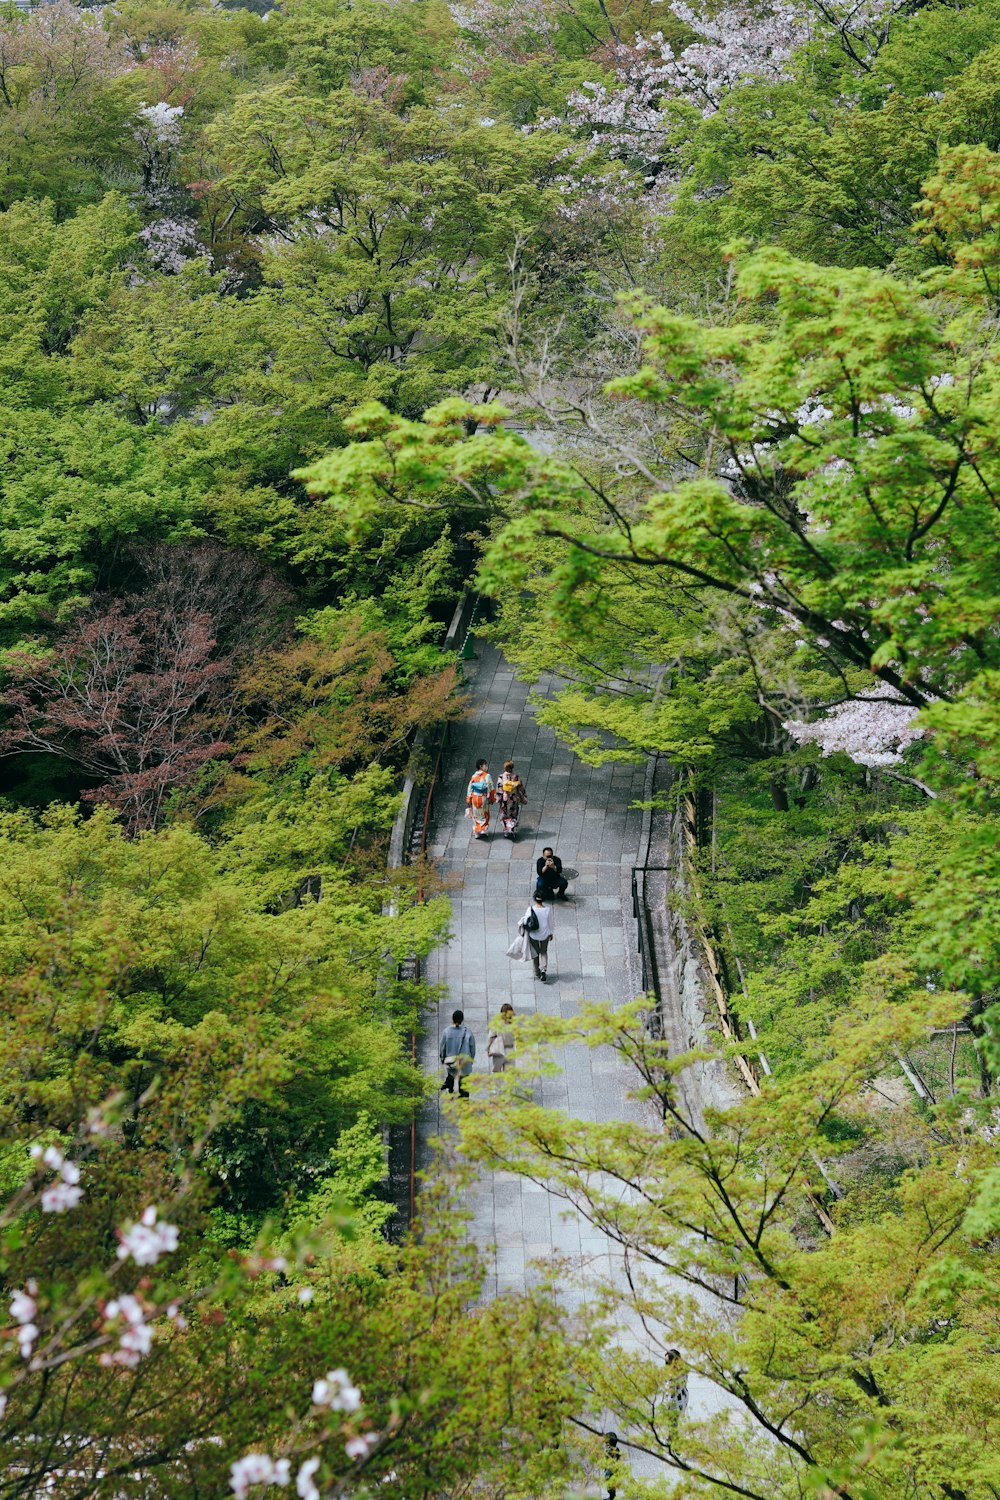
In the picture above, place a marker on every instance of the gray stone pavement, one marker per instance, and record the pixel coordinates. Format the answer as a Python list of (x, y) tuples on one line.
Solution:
[(585, 813)]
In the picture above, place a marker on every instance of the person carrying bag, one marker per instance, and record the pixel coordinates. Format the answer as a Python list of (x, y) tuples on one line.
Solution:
[(537, 930)]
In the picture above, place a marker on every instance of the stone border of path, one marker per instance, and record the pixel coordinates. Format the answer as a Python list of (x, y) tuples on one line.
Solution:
[(427, 745)]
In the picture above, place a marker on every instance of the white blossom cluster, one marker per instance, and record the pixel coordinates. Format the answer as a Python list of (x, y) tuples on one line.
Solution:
[(160, 124), (136, 1337), (736, 42), (63, 1193), (257, 1468), (170, 242), (334, 1392), (872, 731), (24, 1310), (500, 29), (585, 194), (626, 118), (740, 41), (305, 1486), (158, 133), (261, 1468), (146, 1241)]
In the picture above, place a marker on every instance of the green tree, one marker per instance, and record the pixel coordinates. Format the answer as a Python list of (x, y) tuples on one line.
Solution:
[(389, 236), (202, 955), (821, 1390), (65, 106)]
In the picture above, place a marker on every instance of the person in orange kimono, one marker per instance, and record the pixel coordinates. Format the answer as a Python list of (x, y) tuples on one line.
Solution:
[(478, 797)]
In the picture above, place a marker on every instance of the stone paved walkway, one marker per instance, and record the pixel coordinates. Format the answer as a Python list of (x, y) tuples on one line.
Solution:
[(586, 815)]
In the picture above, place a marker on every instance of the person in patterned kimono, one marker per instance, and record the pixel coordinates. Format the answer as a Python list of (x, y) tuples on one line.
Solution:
[(478, 797), (511, 797)]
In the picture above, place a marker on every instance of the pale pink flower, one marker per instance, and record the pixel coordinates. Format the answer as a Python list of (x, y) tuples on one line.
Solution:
[(23, 1309), (136, 1340), (176, 1317), (257, 1468), (873, 732), (336, 1392), (60, 1196), (304, 1486), (146, 1241)]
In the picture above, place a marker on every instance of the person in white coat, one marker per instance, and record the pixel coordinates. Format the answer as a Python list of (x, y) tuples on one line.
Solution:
[(538, 927)]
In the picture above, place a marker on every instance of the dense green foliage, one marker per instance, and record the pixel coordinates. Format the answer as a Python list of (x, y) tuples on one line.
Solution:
[(271, 286)]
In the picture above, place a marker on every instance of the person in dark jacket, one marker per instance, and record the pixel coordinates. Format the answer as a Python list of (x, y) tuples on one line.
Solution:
[(551, 880), (612, 1456), (457, 1053)]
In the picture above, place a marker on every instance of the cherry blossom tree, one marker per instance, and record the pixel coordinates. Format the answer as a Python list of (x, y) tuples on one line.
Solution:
[(502, 30), (59, 1328), (169, 242), (872, 731), (731, 44), (158, 136), (54, 52)]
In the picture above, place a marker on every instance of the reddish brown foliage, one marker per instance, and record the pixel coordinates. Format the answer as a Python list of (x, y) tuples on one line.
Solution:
[(138, 692)]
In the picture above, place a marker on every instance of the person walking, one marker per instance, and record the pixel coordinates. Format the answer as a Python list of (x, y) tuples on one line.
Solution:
[(537, 926), (511, 797), (478, 797), (675, 1398), (612, 1457), (500, 1043), (457, 1053), (550, 879)]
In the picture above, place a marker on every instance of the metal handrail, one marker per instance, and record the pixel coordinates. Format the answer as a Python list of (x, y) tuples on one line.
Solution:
[(422, 850), (644, 927)]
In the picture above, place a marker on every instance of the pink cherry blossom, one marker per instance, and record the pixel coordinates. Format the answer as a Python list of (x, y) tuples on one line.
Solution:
[(170, 243), (59, 1197), (304, 1486), (160, 124), (257, 1468), (504, 30), (872, 731), (24, 1310), (146, 1241), (63, 1194), (173, 1312), (361, 1445), (336, 1392), (136, 1339)]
